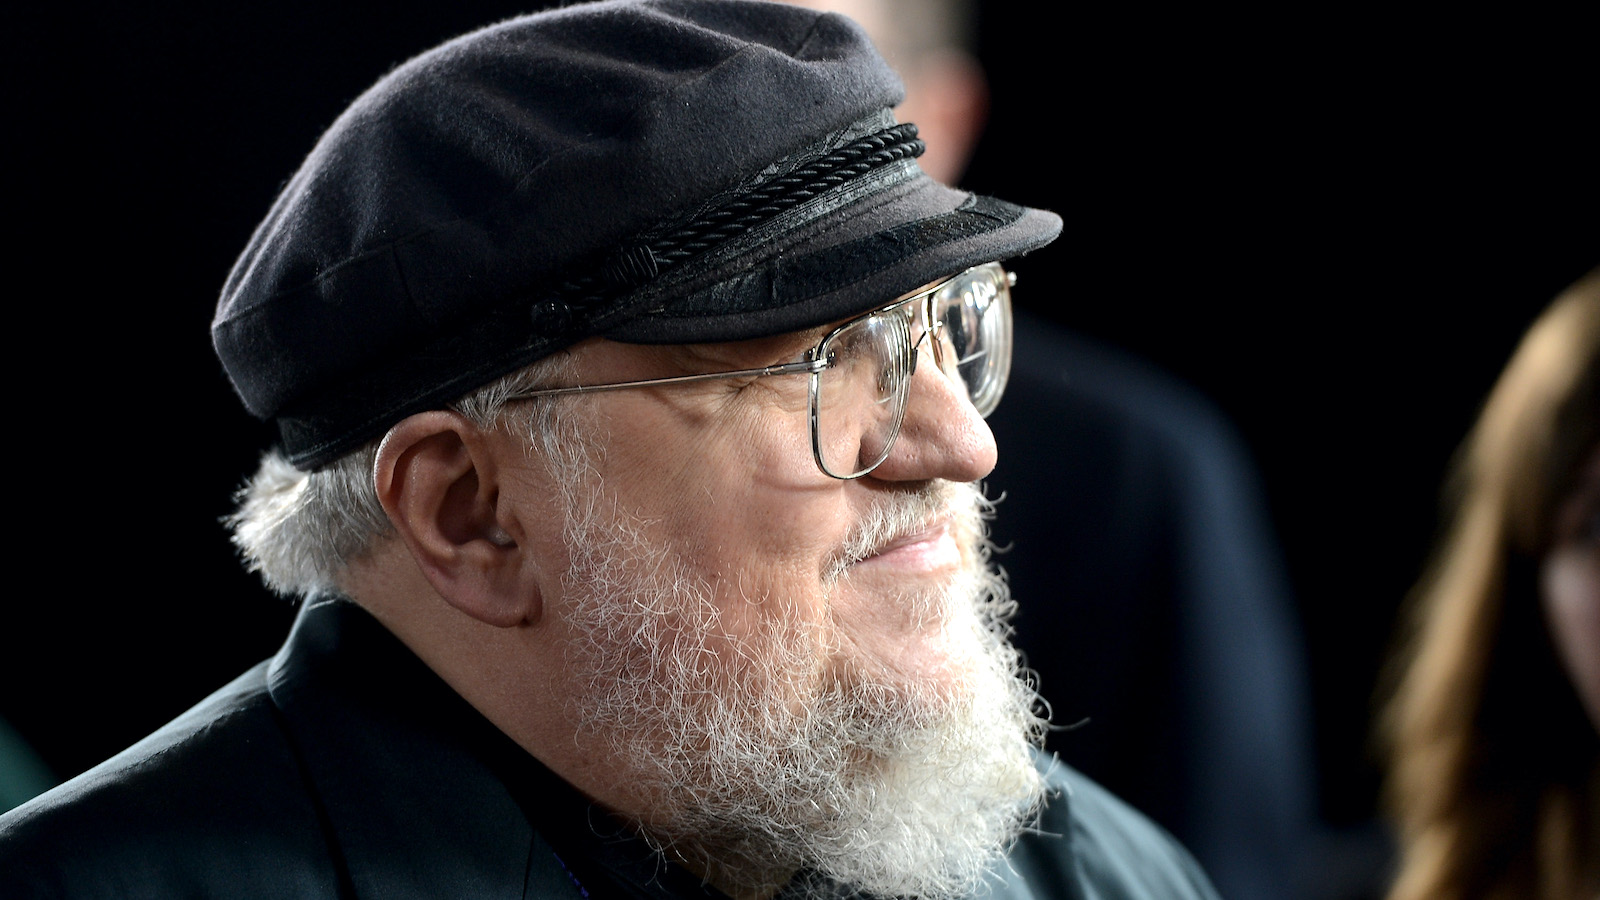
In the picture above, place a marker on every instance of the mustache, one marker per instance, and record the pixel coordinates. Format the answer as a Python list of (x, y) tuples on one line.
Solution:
[(901, 513)]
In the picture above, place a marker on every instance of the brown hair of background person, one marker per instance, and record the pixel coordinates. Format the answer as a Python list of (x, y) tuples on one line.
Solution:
[(1494, 767)]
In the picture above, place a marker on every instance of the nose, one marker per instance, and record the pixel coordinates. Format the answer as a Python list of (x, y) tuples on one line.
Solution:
[(942, 435)]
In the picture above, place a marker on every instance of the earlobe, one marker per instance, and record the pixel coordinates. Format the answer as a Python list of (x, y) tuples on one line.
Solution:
[(438, 478)]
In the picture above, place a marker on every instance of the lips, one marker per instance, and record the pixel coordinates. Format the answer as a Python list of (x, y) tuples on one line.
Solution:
[(928, 532), (931, 546), (910, 531)]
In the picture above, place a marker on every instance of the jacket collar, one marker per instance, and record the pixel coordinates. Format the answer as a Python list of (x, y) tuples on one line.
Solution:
[(399, 762), (423, 796)]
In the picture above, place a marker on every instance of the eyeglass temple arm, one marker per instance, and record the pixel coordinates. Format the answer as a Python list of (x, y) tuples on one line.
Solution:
[(806, 366)]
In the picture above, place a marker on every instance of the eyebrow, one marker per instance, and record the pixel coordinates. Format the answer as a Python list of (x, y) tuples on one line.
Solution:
[(791, 343)]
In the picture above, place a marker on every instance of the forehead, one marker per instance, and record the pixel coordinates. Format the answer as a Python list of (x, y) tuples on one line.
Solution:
[(750, 353)]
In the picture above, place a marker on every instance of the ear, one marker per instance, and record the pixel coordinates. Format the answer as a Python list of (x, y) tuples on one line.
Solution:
[(438, 478)]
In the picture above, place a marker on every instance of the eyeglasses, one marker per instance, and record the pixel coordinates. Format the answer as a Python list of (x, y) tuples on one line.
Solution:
[(861, 371)]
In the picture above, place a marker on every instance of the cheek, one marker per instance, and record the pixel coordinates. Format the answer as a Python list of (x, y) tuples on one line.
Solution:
[(1570, 585), (737, 496), (890, 644), (763, 555)]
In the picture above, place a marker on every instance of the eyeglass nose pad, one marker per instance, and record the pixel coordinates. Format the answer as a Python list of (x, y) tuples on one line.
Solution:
[(939, 433), (929, 333), (943, 359), (924, 337)]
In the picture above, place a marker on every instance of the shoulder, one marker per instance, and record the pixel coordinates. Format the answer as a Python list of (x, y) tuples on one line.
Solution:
[(1092, 845), (215, 798), (1126, 446)]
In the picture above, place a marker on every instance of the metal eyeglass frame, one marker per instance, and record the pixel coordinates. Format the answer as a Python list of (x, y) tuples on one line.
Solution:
[(814, 365)]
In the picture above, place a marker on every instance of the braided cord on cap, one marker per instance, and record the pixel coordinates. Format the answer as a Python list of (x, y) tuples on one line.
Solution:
[(640, 263)]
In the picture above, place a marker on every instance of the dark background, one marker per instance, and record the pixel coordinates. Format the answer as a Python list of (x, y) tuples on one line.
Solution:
[(1335, 225)]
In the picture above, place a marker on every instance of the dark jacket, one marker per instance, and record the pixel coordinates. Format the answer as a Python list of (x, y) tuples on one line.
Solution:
[(343, 767)]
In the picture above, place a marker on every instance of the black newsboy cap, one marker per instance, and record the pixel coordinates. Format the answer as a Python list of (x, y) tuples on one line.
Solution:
[(653, 171)]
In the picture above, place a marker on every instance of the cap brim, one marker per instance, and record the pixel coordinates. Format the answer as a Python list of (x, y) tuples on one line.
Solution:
[(883, 241)]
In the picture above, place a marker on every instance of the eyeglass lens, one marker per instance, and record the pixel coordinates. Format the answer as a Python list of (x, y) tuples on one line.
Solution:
[(860, 399), (861, 395), (975, 335)]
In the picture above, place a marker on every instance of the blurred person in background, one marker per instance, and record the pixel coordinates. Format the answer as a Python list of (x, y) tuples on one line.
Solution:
[(1161, 614), (1490, 731)]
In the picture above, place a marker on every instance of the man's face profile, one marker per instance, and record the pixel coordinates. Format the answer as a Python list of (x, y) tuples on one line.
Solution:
[(789, 667)]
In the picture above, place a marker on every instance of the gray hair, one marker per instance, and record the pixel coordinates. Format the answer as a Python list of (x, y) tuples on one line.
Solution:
[(299, 530)]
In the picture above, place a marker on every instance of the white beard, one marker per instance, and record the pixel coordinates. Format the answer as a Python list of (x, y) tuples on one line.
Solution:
[(778, 753)]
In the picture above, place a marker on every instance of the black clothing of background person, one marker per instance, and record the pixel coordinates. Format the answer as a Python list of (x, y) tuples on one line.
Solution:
[(1154, 605)]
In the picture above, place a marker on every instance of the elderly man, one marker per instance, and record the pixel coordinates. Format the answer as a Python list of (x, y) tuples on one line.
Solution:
[(630, 378)]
